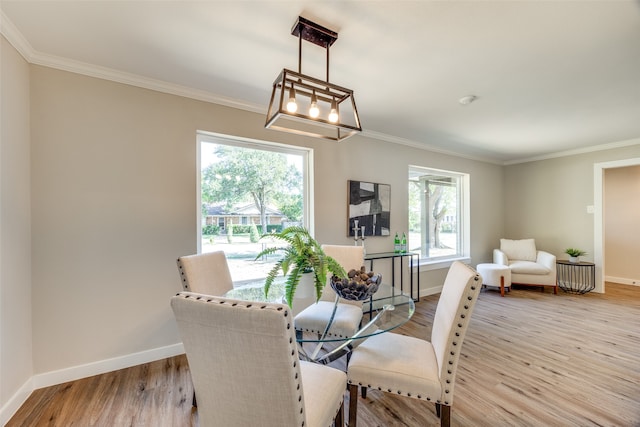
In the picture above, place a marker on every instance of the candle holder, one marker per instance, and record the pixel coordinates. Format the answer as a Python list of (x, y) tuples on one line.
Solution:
[(357, 238)]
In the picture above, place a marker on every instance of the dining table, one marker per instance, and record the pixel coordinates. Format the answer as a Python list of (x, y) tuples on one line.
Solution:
[(387, 309)]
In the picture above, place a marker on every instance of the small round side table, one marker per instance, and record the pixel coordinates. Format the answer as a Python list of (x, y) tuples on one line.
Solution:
[(576, 277)]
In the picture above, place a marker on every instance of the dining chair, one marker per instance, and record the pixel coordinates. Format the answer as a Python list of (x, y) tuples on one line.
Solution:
[(413, 367), (348, 315), (206, 273), (243, 359)]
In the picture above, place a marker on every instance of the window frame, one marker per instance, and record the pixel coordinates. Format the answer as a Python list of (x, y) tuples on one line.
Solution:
[(221, 139), (463, 214)]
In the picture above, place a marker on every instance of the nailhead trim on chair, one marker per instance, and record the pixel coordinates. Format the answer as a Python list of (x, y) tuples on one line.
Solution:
[(185, 283), (451, 362), (249, 305)]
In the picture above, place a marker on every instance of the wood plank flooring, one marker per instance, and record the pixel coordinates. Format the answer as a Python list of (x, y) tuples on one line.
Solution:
[(529, 359)]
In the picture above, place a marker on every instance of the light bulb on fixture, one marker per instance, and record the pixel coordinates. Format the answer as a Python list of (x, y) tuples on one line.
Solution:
[(292, 107), (314, 111), (333, 114)]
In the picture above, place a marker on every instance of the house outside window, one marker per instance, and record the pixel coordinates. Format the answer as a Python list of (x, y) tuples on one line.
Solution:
[(244, 182), (438, 214)]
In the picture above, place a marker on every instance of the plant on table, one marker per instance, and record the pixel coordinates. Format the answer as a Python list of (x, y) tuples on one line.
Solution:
[(303, 254), (573, 252)]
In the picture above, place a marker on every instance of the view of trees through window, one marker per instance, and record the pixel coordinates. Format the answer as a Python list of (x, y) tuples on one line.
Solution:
[(247, 190), (434, 214)]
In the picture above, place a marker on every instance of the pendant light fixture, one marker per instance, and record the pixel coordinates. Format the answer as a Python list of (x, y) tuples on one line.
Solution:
[(309, 106)]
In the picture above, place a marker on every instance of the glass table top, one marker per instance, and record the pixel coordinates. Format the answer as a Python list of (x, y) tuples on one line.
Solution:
[(386, 310)]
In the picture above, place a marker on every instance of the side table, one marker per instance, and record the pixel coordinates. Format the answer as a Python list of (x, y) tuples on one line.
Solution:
[(576, 277), (399, 255)]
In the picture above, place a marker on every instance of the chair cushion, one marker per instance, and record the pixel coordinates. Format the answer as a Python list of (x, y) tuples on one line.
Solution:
[(397, 364), (323, 389), (528, 267), (523, 249), (315, 317)]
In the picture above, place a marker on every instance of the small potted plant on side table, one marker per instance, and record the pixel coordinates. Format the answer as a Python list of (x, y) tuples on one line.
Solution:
[(574, 254)]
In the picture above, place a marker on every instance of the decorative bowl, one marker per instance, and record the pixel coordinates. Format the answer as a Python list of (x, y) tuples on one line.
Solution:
[(356, 288)]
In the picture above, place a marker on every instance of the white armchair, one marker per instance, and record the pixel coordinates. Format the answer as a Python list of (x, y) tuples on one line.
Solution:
[(528, 265)]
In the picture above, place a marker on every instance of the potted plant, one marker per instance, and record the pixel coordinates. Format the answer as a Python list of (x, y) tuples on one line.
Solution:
[(574, 254), (303, 255)]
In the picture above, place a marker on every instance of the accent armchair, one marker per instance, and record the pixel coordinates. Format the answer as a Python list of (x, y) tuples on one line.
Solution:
[(528, 265)]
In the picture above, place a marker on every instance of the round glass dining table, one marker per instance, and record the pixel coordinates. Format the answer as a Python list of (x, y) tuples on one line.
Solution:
[(385, 310)]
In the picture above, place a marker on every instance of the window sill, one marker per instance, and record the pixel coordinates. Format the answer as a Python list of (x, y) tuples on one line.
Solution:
[(428, 265)]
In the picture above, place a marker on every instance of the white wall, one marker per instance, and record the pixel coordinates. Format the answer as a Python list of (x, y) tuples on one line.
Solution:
[(16, 366)]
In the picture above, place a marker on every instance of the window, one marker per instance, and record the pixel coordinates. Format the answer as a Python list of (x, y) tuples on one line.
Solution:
[(247, 188), (438, 214)]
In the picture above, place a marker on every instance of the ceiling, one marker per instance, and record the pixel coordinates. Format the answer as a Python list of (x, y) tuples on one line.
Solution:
[(550, 76)]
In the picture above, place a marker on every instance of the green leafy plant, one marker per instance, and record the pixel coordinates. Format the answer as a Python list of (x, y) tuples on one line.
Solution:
[(303, 254), (574, 252)]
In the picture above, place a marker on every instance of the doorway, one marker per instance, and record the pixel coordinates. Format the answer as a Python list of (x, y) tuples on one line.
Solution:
[(599, 229)]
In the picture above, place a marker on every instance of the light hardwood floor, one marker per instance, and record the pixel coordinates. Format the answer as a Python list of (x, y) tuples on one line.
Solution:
[(529, 359)]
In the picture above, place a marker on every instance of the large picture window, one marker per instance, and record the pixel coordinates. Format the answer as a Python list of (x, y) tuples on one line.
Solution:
[(246, 189), (438, 214)]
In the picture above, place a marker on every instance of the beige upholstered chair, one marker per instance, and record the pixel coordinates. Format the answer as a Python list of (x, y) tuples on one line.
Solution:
[(243, 358), (349, 313), (413, 367), (528, 265), (206, 273)]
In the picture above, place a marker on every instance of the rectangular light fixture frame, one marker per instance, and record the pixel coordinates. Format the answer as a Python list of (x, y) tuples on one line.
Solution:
[(300, 122)]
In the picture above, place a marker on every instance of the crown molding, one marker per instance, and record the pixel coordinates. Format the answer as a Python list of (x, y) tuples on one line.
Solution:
[(424, 146), (22, 45), (601, 147), (15, 37)]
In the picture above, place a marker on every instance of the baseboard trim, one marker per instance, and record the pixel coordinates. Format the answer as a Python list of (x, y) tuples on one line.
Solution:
[(73, 373), (15, 402), (622, 280), (102, 366), (430, 291)]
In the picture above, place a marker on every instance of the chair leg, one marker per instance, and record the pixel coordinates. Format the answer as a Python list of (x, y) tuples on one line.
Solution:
[(438, 410), (445, 419), (502, 286), (193, 401), (363, 392), (338, 421), (353, 404)]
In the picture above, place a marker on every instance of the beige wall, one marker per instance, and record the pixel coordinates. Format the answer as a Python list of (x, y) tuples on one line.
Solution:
[(548, 199), (114, 205), (622, 224), (15, 221)]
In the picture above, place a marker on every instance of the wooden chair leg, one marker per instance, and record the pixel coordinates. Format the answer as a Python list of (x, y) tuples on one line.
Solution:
[(502, 286), (438, 410), (353, 404), (363, 392), (445, 419), (338, 421)]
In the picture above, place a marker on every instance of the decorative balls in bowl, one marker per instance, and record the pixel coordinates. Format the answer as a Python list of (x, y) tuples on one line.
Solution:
[(357, 286)]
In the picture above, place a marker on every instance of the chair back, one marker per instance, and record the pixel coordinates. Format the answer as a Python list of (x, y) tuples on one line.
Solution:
[(243, 359), (206, 273), (453, 313), (348, 257)]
